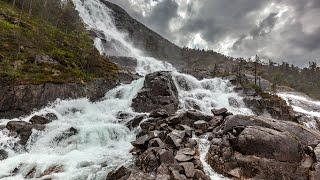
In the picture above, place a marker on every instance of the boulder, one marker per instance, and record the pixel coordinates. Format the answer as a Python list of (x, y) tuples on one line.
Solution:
[(201, 125), (39, 120), (22, 128), (66, 134), (189, 169), (156, 142), (159, 92), (160, 113), (148, 161), (263, 148), (141, 142), (221, 112), (3, 154), (198, 174), (120, 173), (133, 123), (187, 151), (176, 175), (272, 104), (166, 156), (173, 140), (306, 136), (197, 115), (269, 143), (183, 158)]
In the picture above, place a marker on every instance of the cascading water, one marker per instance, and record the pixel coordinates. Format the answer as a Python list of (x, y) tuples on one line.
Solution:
[(305, 105), (103, 141), (301, 103)]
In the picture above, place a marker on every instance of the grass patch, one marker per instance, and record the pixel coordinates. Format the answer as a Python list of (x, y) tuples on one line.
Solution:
[(72, 55)]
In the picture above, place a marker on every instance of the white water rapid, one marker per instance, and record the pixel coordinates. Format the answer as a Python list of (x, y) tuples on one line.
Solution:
[(103, 141), (303, 104)]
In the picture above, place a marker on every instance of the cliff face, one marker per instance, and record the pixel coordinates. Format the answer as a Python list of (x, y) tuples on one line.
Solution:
[(21, 100), (144, 38)]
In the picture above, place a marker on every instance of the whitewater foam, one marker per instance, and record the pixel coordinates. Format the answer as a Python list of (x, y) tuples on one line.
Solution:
[(301, 103)]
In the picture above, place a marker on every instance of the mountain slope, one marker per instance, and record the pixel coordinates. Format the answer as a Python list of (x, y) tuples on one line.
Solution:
[(205, 64), (156, 46), (45, 57), (33, 50)]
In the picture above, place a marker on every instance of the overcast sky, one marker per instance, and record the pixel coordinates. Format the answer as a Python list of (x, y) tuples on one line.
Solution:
[(279, 29)]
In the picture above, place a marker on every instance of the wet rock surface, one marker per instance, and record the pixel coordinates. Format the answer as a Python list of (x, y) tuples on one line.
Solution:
[(21, 100), (3, 154), (165, 146), (23, 129), (158, 92), (270, 104), (264, 148)]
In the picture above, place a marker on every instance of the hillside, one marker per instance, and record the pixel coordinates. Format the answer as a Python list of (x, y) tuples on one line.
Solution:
[(36, 49), (156, 46), (205, 64)]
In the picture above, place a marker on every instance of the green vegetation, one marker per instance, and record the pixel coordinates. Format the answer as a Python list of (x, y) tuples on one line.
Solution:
[(306, 80), (55, 48)]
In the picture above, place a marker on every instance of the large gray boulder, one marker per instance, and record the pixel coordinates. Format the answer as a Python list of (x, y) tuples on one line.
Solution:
[(264, 148), (158, 92)]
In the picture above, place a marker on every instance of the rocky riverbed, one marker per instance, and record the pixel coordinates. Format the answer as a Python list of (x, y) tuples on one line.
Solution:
[(241, 147)]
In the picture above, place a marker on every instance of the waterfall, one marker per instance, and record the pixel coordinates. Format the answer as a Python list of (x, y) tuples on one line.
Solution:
[(103, 141)]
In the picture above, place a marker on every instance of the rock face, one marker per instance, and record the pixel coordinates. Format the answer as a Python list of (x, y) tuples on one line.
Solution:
[(271, 104), (158, 92), (124, 62), (23, 99), (263, 148)]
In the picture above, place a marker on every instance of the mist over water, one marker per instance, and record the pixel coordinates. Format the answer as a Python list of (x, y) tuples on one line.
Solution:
[(103, 141)]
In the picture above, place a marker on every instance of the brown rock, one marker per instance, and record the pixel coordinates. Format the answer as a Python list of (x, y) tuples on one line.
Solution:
[(187, 151), (22, 128), (166, 156), (160, 113), (198, 174), (133, 123), (156, 142), (183, 158), (39, 120), (173, 140), (188, 169), (220, 112), (159, 92), (201, 125), (270, 144), (141, 142)]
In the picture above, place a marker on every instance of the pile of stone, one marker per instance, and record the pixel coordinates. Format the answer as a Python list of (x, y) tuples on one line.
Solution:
[(165, 147)]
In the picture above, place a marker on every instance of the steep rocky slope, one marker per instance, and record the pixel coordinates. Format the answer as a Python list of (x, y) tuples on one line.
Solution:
[(40, 62), (156, 46)]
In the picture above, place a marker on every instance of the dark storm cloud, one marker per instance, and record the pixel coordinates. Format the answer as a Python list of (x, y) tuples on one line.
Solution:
[(264, 28), (278, 29), (162, 14)]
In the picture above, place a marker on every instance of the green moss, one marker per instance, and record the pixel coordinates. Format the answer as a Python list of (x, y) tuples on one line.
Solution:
[(7, 25), (75, 58), (255, 87)]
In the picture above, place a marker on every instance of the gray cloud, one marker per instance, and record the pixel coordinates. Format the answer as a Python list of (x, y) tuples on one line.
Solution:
[(278, 29)]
